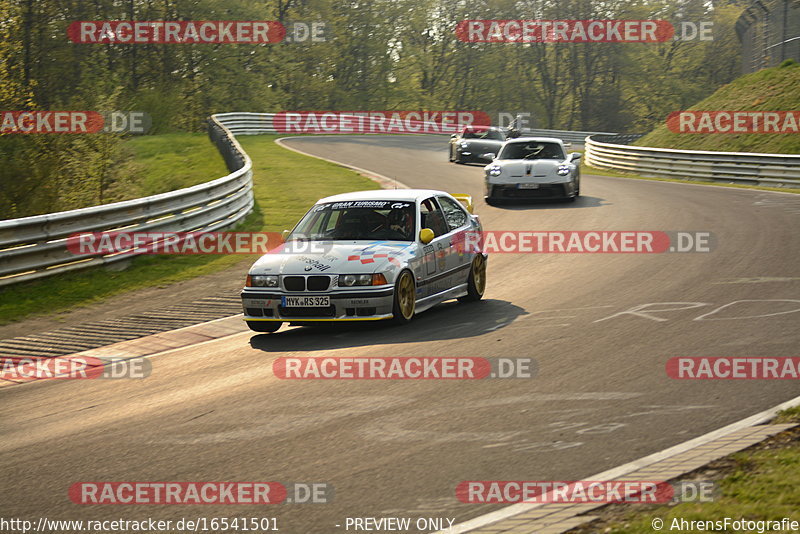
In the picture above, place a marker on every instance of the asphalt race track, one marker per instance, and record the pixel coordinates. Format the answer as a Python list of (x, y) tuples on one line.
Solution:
[(215, 412)]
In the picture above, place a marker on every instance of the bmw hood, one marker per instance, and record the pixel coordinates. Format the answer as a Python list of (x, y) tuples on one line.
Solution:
[(326, 257)]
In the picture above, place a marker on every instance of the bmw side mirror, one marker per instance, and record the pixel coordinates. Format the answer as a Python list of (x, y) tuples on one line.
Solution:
[(426, 235), (575, 156), (285, 235)]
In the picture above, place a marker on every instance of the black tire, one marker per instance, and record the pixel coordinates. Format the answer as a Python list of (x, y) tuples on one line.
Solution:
[(264, 327), (476, 283), (402, 308), (490, 199)]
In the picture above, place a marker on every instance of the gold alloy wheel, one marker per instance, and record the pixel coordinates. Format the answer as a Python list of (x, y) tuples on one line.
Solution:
[(406, 300), (479, 273)]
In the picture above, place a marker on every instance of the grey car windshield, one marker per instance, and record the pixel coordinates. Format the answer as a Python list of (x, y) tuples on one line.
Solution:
[(357, 220), (494, 135), (532, 150)]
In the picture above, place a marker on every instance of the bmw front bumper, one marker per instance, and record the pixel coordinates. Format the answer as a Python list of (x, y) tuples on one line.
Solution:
[(369, 304)]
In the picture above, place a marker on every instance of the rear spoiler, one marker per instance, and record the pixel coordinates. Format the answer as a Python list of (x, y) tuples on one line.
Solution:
[(466, 200)]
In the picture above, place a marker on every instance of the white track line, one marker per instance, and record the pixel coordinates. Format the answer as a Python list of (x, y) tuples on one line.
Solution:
[(384, 181)]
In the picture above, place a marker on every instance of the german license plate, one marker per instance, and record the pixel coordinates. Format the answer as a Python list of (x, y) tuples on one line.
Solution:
[(529, 186), (305, 302)]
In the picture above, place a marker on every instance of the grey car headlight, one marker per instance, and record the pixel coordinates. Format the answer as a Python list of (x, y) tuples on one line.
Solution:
[(495, 170), (261, 280), (563, 170), (463, 144)]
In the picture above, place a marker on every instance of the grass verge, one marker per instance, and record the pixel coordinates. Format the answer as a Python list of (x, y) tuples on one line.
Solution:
[(773, 89), (162, 163), (285, 185), (758, 484)]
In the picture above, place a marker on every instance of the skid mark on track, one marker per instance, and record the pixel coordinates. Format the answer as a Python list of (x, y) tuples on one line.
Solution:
[(758, 280), (287, 419), (404, 427), (784, 202)]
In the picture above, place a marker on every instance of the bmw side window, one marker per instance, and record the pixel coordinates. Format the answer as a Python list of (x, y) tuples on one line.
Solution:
[(330, 222), (453, 213), (432, 217), (315, 226)]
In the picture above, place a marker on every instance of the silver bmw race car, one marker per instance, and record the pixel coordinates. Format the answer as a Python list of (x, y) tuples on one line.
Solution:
[(533, 167), (369, 255)]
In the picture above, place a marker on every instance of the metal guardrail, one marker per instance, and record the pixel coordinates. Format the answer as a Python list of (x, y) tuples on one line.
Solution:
[(34, 247), (774, 170)]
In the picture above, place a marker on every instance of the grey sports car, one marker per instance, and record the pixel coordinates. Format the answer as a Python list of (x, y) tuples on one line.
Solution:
[(533, 168), (476, 144)]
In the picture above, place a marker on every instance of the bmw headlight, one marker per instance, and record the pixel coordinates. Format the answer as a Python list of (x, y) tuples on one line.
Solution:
[(495, 170), (350, 280), (563, 170), (261, 280), (463, 144)]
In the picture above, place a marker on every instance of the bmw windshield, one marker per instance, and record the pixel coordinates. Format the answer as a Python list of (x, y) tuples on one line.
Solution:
[(358, 220)]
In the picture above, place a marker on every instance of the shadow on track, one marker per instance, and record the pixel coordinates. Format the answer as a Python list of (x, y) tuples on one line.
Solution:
[(449, 320)]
